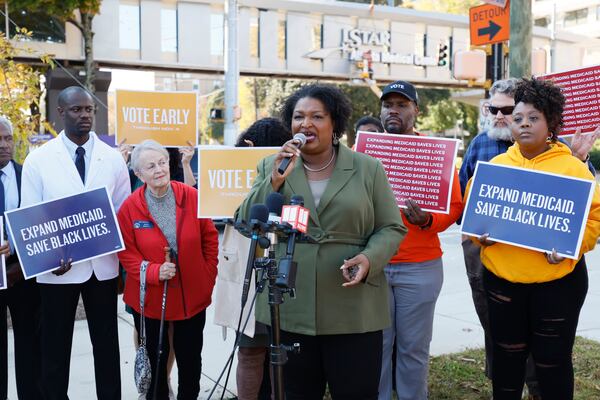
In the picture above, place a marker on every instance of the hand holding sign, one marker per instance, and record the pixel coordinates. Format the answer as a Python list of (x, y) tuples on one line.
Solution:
[(582, 144), (167, 269), (64, 267), (414, 214), (554, 258)]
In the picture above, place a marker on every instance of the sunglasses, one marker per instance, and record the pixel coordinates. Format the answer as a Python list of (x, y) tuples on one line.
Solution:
[(507, 110)]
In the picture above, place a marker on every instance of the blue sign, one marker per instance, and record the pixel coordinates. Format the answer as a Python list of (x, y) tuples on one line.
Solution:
[(531, 209), (78, 227)]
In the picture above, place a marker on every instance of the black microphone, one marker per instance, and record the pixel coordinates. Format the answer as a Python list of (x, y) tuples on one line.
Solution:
[(274, 203), (259, 214), (285, 163), (286, 276)]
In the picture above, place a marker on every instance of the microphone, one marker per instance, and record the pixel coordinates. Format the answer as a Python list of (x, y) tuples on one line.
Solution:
[(285, 163), (259, 214), (274, 203), (297, 216)]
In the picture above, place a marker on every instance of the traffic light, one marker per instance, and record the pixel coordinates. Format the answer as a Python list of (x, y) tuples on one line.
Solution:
[(216, 114), (442, 54)]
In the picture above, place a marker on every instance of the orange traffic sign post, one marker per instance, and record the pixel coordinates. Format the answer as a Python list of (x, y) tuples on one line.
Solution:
[(489, 24)]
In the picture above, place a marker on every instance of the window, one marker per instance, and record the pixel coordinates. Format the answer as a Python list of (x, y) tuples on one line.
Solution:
[(217, 36), (254, 37), (44, 28), (317, 37), (129, 27), (543, 22), (282, 46), (575, 17), (598, 13), (168, 30)]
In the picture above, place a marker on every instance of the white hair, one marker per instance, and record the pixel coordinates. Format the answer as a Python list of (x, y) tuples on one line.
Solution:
[(146, 145), (6, 123)]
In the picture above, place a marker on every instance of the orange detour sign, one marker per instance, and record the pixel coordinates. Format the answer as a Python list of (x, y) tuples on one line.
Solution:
[(489, 24)]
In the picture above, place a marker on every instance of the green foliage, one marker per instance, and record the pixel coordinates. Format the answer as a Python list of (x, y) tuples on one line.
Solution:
[(439, 113), (20, 91), (63, 9), (595, 158)]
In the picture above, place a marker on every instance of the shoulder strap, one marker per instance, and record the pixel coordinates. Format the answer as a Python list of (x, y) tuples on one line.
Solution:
[(143, 267)]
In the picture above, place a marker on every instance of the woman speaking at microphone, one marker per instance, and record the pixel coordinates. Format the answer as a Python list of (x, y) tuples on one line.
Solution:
[(157, 216), (339, 313)]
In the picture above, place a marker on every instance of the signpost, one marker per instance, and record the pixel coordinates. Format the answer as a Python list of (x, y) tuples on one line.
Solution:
[(489, 24)]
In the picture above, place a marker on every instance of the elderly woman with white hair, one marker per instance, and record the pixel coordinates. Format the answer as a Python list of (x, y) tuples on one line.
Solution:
[(157, 219)]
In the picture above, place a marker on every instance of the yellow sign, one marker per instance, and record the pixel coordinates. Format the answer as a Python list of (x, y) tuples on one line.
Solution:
[(225, 177), (170, 118)]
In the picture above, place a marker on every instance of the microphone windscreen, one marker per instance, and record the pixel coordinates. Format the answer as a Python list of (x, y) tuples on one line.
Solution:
[(297, 200), (259, 212), (301, 137), (274, 203)]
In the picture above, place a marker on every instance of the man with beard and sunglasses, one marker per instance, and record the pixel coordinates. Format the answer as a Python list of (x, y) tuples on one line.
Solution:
[(414, 274), (485, 146)]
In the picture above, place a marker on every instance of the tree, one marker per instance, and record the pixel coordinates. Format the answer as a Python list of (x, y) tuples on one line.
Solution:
[(20, 92), (80, 13), (449, 6)]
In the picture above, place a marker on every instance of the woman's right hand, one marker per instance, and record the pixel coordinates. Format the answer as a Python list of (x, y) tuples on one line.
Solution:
[(288, 150), (166, 271)]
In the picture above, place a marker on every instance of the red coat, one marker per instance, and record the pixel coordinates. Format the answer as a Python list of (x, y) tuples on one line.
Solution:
[(197, 240)]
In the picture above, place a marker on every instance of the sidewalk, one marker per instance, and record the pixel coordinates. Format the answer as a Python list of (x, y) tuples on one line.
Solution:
[(455, 328)]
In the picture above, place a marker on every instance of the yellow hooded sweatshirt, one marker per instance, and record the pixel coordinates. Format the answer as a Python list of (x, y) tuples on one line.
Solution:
[(517, 264)]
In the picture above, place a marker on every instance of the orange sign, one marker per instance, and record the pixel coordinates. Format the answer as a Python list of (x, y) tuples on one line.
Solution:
[(489, 24), (225, 177), (170, 118)]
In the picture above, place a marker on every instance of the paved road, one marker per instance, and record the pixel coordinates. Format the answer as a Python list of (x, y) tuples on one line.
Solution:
[(455, 328)]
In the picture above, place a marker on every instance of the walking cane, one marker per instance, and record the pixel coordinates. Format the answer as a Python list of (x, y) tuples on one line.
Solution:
[(162, 326)]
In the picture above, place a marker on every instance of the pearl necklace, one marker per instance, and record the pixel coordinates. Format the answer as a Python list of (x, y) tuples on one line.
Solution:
[(320, 169)]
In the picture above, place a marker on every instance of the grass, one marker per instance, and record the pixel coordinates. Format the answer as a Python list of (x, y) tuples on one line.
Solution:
[(460, 376)]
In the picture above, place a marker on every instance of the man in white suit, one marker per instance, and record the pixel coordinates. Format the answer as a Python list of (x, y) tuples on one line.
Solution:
[(75, 161)]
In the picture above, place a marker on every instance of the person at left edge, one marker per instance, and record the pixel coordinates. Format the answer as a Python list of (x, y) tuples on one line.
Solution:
[(162, 215), (75, 161), (22, 297)]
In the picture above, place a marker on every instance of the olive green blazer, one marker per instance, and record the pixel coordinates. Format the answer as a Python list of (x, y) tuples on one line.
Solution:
[(357, 214)]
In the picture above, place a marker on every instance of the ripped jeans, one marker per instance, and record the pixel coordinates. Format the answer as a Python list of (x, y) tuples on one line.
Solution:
[(540, 318)]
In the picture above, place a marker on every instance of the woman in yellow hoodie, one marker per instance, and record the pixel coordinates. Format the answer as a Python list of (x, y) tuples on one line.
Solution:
[(534, 297)]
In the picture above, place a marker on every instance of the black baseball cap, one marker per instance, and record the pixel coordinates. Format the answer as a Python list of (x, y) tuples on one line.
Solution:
[(404, 88)]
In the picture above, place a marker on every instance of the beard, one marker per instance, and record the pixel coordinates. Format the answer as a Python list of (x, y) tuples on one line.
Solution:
[(499, 133)]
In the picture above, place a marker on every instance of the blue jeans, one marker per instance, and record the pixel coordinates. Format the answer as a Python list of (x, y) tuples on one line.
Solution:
[(414, 289)]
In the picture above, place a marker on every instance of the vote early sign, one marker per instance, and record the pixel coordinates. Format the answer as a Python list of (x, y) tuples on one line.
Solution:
[(489, 24), (170, 118), (78, 227), (531, 209), (225, 177)]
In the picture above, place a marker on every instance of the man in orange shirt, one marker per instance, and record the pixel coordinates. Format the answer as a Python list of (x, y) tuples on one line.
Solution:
[(415, 272)]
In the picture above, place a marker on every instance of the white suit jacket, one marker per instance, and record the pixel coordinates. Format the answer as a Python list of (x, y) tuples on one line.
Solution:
[(49, 172)]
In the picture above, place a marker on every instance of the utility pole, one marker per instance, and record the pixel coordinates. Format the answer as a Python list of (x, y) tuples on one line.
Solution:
[(519, 58), (232, 72)]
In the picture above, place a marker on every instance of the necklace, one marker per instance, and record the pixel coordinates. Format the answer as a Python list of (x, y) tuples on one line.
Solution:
[(157, 196), (322, 168)]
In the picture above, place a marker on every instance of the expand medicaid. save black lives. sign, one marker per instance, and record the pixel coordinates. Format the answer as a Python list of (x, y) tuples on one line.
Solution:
[(78, 227), (530, 209)]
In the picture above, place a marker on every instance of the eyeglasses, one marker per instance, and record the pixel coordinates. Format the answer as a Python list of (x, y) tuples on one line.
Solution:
[(152, 166), (506, 110)]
